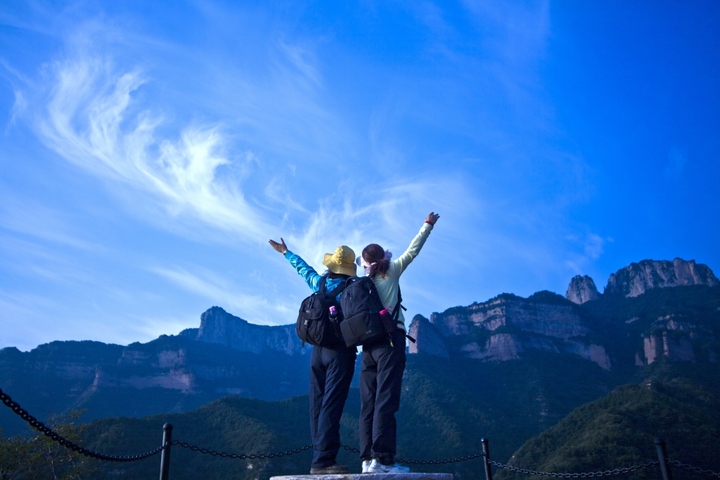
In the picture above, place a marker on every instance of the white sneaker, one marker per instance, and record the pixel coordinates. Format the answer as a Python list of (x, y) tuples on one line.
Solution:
[(366, 466), (377, 467)]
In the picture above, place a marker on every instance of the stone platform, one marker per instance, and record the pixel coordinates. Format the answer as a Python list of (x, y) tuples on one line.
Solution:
[(370, 476)]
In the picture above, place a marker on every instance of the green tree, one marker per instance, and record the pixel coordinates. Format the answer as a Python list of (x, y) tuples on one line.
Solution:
[(40, 457)]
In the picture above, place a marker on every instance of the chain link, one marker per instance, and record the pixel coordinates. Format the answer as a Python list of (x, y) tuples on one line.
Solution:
[(38, 425), (694, 469), (606, 473), (240, 456), (425, 462)]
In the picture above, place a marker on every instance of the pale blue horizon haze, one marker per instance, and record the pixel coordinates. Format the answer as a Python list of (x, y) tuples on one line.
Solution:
[(149, 151)]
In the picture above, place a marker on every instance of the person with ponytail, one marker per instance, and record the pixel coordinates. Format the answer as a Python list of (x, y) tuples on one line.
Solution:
[(383, 362)]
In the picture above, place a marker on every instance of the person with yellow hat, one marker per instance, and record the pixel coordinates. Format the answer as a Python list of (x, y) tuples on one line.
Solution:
[(331, 367)]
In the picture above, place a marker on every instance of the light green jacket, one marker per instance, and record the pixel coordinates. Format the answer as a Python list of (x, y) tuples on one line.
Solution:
[(388, 285)]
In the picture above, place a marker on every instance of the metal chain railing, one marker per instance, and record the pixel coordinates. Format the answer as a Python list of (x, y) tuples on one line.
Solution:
[(261, 456), (38, 425), (606, 473), (251, 456), (425, 462), (694, 469)]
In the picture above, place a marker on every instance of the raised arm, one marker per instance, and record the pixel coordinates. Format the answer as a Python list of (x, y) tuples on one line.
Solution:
[(402, 262), (308, 273)]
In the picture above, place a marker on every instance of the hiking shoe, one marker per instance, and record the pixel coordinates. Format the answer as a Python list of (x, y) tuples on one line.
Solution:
[(377, 467), (366, 466), (337, 468)]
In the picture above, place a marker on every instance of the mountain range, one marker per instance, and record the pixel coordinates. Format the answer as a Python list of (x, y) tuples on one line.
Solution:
[(508, 369)]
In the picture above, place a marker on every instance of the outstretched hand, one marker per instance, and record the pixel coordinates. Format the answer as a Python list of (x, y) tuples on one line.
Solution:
[(432, 218), (280, 247)]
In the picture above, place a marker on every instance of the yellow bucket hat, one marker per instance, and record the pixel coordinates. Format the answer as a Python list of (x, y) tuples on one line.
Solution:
[(341, 261)]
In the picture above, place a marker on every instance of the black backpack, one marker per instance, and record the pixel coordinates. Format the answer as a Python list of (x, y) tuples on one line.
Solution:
[(366, 319), (314, 324)]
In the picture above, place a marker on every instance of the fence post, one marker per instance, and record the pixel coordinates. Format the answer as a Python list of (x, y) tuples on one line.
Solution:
[(662, 459), (486, 456), (165, 455)]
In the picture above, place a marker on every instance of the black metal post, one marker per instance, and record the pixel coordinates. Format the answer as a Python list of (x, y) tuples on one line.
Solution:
[(165, 455), (662, 459), (486, 456)]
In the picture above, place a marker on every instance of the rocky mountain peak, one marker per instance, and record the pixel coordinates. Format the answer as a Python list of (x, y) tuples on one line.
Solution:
[(581, 289), (428, 336), (218, 326), (637, 278)]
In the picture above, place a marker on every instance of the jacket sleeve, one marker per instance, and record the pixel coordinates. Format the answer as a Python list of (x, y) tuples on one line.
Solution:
[(308, 273), (402, 262)]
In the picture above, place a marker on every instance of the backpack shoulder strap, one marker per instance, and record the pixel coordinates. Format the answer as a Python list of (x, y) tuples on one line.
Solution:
[(396, 313), (323, 285), (398, 306), (332, 293)]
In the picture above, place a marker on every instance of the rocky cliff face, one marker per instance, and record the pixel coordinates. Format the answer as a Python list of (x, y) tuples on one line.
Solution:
[(638, 278), (218, 326), (581, 289), (427, 335), (677, 338), (505, 327)]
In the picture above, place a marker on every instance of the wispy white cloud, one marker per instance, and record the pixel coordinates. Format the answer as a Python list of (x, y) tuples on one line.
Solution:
[(583, 250), (514, 39), (302, 60), (152, 327), (221, 291), (24, 319), (517, 32), (27, 216), (90, 121)]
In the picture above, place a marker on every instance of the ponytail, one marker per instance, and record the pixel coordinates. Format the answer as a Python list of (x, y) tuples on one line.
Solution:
[(377, 258)]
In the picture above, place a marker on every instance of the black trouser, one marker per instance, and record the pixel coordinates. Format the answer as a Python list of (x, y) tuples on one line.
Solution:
[(380, 386), (331, 370)]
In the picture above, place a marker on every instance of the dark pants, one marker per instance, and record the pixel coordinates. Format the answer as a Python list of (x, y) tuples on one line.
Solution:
[(380, 386), (331, 370)]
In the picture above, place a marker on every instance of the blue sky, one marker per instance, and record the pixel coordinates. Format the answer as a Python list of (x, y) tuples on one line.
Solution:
[(148, 152)]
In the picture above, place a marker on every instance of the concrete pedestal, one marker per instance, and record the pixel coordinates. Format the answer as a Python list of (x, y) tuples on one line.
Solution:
[(370, 476)]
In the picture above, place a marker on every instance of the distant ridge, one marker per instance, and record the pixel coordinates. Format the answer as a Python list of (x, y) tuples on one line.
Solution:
[(220, 327), (638, 278)]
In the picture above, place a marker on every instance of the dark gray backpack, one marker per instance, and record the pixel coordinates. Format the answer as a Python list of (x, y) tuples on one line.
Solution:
[(314, 323), (366, 319)]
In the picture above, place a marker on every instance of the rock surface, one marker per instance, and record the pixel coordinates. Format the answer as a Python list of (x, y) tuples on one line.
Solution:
[(581, 289), (505, 327), (218, 326), (428, 336), (637, 278)]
